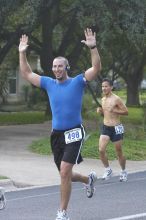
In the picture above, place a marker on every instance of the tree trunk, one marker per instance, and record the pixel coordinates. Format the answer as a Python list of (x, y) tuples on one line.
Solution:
[(133, 93), (46, 57)]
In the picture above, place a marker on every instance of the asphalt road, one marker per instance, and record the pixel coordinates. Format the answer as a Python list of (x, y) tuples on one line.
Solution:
[(112, 201)]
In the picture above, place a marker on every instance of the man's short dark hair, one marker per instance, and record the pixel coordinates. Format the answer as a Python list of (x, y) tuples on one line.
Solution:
[(65, 60), (108, 80)]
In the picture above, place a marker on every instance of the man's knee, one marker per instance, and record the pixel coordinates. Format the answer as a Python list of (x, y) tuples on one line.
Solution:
[(65, 170), (64, 173)]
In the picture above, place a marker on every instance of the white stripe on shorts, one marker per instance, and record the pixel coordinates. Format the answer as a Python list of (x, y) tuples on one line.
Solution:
[(81, 143)]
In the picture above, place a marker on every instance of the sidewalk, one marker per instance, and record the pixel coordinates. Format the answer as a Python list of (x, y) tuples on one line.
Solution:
[(27, 169)]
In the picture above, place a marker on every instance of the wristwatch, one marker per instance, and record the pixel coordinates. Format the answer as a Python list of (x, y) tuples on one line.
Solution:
[(93, 47)]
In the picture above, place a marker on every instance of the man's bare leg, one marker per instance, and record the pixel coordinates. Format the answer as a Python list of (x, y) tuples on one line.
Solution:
[(103, 142), (66, 179), (121, 158), (77, 177), (122, 161)]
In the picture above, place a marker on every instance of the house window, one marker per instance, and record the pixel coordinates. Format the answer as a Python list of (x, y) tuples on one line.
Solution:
[(12, 84)]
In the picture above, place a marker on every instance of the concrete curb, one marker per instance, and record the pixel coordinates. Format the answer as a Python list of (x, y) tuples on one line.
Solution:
[(10, 185), (6, 182)]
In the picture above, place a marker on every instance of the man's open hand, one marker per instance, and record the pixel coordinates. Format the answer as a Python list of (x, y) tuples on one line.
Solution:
[(23, 43), (90, 38)]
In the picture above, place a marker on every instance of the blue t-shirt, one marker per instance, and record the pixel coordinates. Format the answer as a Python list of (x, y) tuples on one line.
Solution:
[(65, 100)]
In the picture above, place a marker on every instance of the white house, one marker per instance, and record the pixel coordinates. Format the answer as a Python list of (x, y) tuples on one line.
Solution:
[(16, 82)]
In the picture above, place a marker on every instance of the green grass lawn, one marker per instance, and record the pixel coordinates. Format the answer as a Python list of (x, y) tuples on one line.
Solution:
[(16, 118), (3, 177), (134, 143), (134, 146)]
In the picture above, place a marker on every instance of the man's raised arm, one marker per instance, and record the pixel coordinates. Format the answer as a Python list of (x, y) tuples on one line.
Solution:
[(90, 41), (25, 68)]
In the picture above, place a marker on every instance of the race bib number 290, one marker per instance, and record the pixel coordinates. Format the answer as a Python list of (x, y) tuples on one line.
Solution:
[(73, 135), (119, 129)]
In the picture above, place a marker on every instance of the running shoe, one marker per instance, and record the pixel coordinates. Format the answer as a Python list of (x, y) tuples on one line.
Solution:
[(90, 189), (62, 215), (123, 176), (108, 174), (2, 198)]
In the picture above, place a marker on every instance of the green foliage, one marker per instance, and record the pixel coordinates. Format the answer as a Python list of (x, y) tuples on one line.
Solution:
[(135, 116), (25, 91), (22, 118), (89, 106), (7, 7), (22, 9), (120, 26), (37, 96), (42, 146), (33, 95), (7, 69), (3, 177), (3, 83)]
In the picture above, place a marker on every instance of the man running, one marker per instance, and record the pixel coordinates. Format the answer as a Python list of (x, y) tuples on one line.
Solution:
[(65, 94), (112, 129)]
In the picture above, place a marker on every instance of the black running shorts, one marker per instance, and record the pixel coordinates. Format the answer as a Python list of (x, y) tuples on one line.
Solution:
[(66, 145), (114, 132)]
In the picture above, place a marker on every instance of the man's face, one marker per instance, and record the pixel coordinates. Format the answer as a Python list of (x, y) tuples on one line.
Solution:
[(59, 69), (106, 88)]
